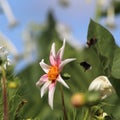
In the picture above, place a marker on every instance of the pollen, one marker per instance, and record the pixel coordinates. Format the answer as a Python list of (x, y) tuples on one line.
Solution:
[(53, 73)]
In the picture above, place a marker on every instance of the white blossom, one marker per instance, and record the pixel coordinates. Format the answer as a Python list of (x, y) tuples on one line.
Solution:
[(4, 60), (102, 85)]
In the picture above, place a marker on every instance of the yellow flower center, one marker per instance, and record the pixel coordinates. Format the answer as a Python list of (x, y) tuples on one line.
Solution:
[(53, 73)]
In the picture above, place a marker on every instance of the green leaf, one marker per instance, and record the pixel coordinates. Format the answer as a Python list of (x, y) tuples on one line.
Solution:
[(104, 46), (115, 71), (116, 84), (105, 42), (108, 52), (66, 76)]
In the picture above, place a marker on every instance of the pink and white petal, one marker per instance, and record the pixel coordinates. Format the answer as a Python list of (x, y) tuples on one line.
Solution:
[(58, 60), (51, 94), (59, 79), (53, 50), (45, 88), (52, 55), (44, 66), (42, 80), (61, 51), (66, 61)]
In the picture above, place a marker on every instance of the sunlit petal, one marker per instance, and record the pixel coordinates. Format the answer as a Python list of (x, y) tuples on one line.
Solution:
[(51, 94), (45, 88), (44, 66), (59, 79), (42, 80), (66, 61)]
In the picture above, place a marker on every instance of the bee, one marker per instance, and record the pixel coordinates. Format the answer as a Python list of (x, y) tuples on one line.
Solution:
[(85, 65), (91, 42)]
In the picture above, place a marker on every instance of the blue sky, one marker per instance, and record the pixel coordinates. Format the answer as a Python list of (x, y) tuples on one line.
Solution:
[(77, 15)]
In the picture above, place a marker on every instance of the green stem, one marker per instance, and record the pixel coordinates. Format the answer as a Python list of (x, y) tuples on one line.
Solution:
[(21, 104), (86, 114), (4, 89), (74, 117), (63, 104)]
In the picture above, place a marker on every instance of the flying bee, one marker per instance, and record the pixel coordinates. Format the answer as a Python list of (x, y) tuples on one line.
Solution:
[(85, 65)]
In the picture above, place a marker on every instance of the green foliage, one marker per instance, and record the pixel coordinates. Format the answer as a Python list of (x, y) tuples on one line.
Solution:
[(107, 52), (38, 108), (116, 64), (103, 56), (100, 56), (105, 45)]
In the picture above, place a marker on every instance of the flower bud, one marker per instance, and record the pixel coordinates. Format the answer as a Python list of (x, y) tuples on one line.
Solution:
[(12, 85), (78, 99)]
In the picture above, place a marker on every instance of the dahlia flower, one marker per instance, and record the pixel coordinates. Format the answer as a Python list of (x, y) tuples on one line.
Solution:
[(52, 73)]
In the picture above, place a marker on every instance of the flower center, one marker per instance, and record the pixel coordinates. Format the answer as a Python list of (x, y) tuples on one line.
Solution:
[(53, 73)]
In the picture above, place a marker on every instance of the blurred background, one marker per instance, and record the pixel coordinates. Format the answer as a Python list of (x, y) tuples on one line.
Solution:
[(29, 27), (72, 18)]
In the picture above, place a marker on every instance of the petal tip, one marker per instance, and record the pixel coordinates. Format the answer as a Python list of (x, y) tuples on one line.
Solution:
[(51, 106), (41, 61), (67, 86), (41, 94), (37, 83)]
